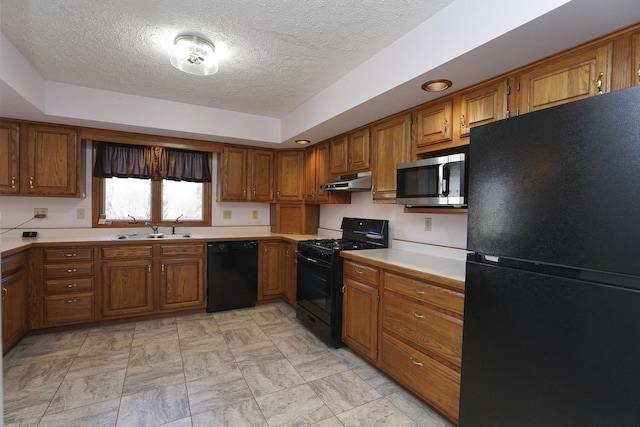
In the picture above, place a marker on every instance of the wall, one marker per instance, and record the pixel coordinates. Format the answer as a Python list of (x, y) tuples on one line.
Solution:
[(446, 230), (62, 212)]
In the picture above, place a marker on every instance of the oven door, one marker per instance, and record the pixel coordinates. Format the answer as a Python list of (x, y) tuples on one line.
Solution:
[(316, 287)]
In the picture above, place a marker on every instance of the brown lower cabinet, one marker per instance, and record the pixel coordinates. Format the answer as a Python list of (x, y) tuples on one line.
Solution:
[(14, 299), (409, 326)]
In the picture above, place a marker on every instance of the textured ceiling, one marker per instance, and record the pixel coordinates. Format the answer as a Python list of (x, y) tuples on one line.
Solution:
[(274, 54)]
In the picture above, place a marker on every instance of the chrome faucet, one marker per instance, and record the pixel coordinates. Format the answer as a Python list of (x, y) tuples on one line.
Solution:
[(153, 227)]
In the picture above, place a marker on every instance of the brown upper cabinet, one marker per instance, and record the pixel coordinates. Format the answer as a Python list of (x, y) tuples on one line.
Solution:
[(9, 160), (635, 59), (350, 153), (481, 105), (40, 160), (565, 78), (290, 175), (391, 145), (246, 174), (434, 123), (316, 172)]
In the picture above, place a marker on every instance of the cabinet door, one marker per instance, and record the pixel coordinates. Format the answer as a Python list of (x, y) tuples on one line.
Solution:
[(269, 283), (483, 105), (262, 185), (233, 174), (360, 318), (434, 123), (53, 158), (310, 184), (182, 283), (127, 288), (359, 150), (568, 78), (290, 176), (291, 270), (635, 59), (339, 152), (14, 309), (9, 161), (390, 146)]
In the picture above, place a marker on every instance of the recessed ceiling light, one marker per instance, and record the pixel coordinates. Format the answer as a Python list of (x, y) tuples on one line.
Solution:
[(437, 85), (303, 141), (194, 55)]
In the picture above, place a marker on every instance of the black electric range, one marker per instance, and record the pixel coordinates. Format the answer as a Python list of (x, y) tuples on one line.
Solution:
[(319, 277)]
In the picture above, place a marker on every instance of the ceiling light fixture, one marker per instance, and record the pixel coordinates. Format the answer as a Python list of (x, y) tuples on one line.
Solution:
[(303, 141), (437, 85), (194, 55)]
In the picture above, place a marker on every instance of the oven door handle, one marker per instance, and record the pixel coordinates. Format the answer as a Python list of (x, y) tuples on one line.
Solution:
[(318, 262)]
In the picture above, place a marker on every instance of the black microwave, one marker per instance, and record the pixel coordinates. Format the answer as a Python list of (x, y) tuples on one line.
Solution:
[(433, 182)]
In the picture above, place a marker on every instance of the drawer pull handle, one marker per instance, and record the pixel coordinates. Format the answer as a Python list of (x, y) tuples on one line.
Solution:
[(70, 255), (344, 288), (416, 362), (4, 292), (418, 316), (72, 270), (71, 285), (71, 301), (31, 182), (420, 291), (359, 271), (13, 182)]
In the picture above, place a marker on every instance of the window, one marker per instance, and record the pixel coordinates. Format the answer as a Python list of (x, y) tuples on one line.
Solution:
[(133, 185)]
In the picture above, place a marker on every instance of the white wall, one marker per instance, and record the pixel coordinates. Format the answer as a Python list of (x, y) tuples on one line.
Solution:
[(446, 229), (62, 212)]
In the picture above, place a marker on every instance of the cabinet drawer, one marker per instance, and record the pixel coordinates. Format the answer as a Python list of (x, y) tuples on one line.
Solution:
[(63, 309), (362, 272), (127, 252), (431, 380), (66, 285), (182, 250), (12, 263), (75, 269), (423, 291), (68, 254), (432, 330)]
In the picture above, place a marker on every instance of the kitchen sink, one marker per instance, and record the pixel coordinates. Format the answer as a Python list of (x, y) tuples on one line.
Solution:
[(153, 236)]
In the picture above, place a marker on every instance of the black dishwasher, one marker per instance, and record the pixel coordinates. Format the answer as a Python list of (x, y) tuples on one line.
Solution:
[(232, 275)]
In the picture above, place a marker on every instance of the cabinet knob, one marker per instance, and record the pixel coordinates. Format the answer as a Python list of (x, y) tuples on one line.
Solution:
[(72, 270), (278, 194), (445, 128), (4, 292), (344, 289), (31, 182), (358, 271), (13, 178), (415, 362), (419, 291), (71, 301), (149, 269), (418, 316), (71, 285), (462, 122), (162, 268), (638, 72), (70, 255)]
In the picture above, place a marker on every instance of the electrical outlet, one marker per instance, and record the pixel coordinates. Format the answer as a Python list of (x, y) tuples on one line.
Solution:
[(80, 213), (427, 224), (254, 214), (40, 212), (226, 214)]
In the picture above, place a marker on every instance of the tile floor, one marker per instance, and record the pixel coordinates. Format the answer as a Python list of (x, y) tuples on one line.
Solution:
[(251, 367)]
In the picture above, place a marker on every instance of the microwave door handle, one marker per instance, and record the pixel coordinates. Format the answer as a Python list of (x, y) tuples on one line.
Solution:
[(444, 180), (440, 178)]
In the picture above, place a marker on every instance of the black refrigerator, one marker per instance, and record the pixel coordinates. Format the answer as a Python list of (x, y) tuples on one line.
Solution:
[(552, 303)]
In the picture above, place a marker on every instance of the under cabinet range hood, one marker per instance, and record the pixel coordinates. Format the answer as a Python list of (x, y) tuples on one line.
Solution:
[(354, 182)]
